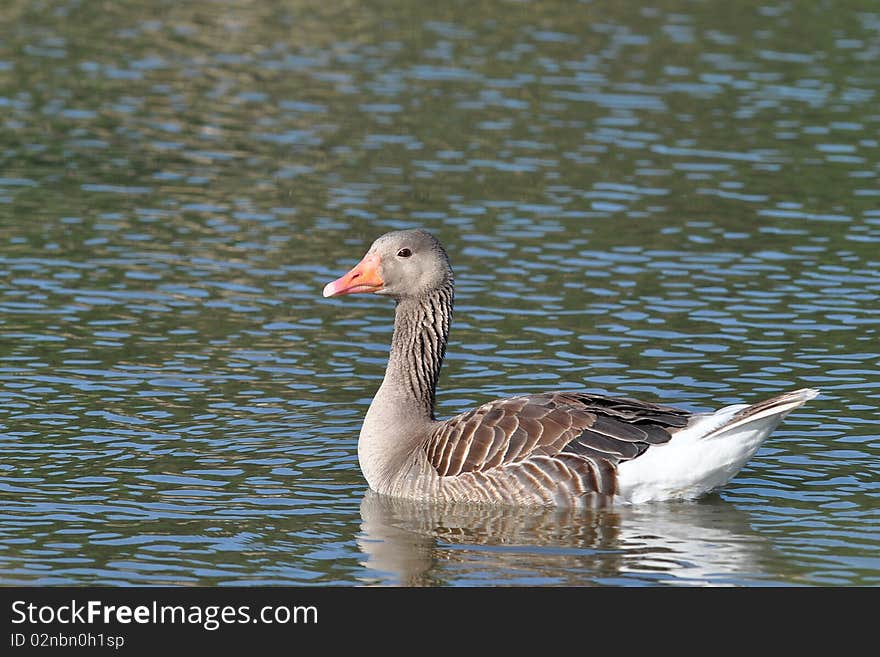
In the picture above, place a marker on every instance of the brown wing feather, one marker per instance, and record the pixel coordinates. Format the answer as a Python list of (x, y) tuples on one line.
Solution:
[(590, 433)]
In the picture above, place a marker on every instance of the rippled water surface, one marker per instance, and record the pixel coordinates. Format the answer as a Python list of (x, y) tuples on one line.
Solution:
[(678, 202)]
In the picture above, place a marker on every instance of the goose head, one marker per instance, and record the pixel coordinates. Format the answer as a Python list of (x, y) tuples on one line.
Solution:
[(400, 264)]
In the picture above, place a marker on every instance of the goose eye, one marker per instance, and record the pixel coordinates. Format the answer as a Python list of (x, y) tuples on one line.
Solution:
[(404, 253)]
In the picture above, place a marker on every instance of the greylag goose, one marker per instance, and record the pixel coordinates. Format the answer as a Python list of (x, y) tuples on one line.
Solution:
[(553, 448)]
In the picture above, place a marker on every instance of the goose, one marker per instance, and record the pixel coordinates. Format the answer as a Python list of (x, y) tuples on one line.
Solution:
[(564, 448)]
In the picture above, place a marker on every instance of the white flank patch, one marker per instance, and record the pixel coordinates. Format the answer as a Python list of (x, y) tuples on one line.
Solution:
[(703, 456)]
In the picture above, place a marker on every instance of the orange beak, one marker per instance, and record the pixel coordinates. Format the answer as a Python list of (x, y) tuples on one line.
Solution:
[(364, 277)]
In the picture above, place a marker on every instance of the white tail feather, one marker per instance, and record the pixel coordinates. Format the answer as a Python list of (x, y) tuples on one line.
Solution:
[(707, 453)]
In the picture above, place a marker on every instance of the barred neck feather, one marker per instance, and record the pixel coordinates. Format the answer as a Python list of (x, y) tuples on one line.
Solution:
[(421, 330)]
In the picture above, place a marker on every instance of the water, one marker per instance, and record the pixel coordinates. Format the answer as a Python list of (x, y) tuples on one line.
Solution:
[(676, 202)]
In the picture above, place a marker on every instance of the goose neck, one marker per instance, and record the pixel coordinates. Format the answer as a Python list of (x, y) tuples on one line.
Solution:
[(421, 330)]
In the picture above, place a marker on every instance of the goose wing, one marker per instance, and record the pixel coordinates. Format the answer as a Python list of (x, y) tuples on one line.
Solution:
[(592, 430)]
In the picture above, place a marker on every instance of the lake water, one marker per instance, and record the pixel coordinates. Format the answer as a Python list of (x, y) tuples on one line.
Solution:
[(678, 202)]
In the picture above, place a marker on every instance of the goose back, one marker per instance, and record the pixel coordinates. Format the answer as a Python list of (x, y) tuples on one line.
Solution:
[(586, 435)]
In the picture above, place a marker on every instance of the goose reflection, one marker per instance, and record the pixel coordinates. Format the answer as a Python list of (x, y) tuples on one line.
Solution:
[(411, 543)]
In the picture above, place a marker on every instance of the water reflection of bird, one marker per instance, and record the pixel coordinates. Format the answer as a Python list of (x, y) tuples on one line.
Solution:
[(560, 448), (417, 543)]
